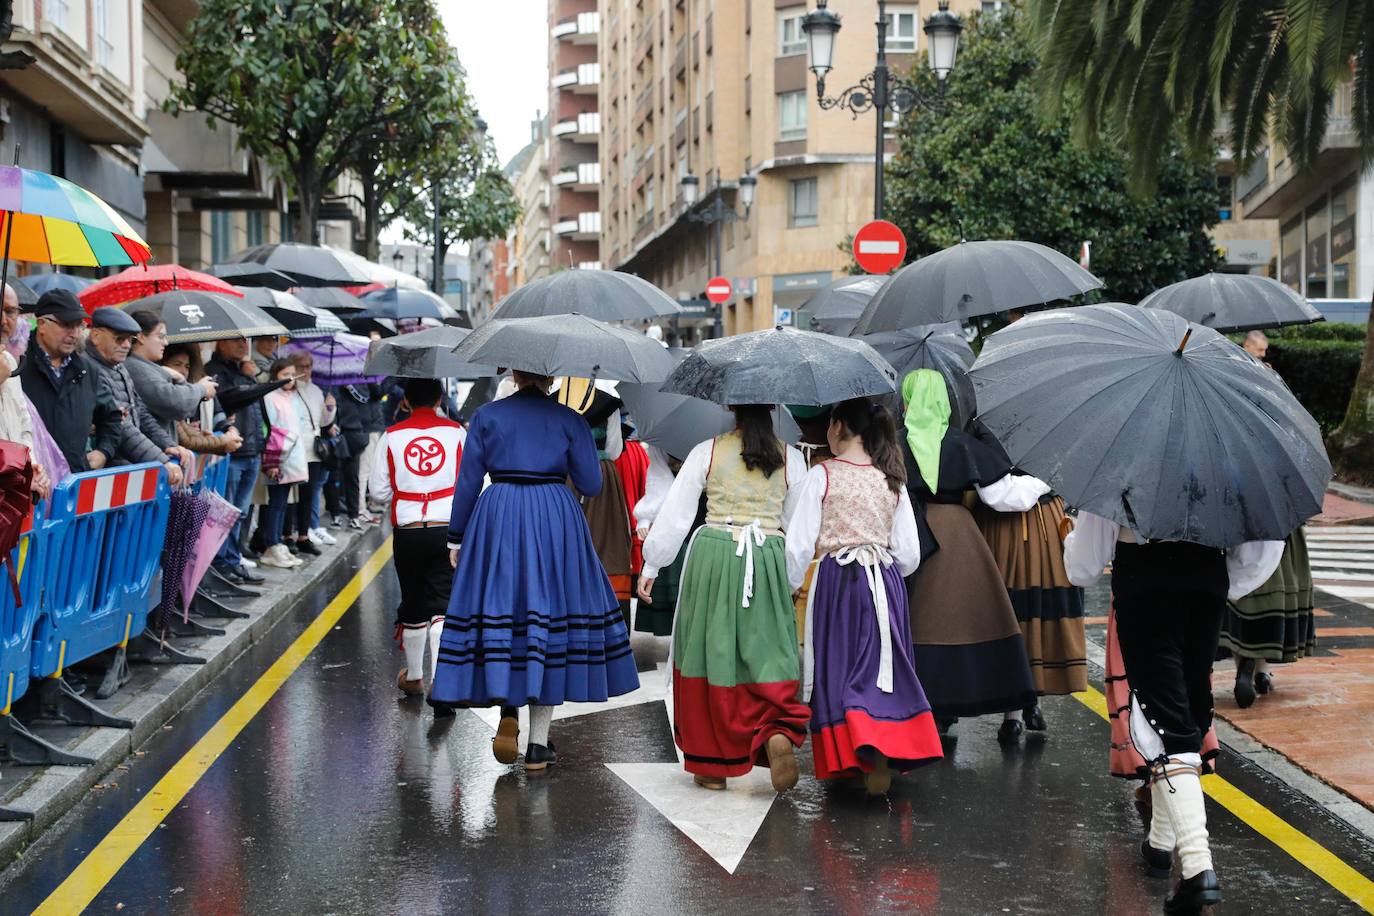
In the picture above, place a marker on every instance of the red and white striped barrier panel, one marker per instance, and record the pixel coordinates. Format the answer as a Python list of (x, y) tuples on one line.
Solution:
[(112, 491)]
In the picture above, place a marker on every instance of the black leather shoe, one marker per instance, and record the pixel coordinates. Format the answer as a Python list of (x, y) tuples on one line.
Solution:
[(538, 757), (1192, 894), (1245, 683), (232, 573), (248, 576), (307, 547), (1158, 862), (1011, 731), (1035, 718), (1264, 683)]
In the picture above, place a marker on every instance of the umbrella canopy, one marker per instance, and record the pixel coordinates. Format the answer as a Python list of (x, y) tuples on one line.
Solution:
[(933, 346), (606, 295), (307, 265), (1162, 426), (338, 360), (27, 297), (327, 324), (972, 279), (249, 274), (1234, 302), (783, 365), (56, 222), (567, 345), (332, 298), (290, 312), (677, 423), (424, 354), (396, 303), (142, 281), (836, 309), (193, 316), (41, 283), (378, 275)]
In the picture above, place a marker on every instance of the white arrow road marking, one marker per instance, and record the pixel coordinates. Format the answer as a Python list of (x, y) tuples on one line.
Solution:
[(723, 824)]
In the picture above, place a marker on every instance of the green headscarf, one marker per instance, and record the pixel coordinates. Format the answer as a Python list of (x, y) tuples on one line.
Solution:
[(927, 419)]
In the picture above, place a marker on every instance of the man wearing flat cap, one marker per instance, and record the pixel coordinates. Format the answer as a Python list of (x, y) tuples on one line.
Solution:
[(65, 387), (142, 438)]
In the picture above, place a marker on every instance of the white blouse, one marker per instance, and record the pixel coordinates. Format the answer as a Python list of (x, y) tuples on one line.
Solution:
[(1013, 493), (804, 527), (1092, 545), (657, 482), (674, 518)]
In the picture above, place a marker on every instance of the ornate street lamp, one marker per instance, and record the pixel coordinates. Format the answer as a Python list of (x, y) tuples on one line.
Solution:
[(880, 91), (717, 215)]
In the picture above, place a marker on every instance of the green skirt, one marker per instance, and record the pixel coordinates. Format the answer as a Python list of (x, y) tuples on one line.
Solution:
[(1275, 621), (657, 616)]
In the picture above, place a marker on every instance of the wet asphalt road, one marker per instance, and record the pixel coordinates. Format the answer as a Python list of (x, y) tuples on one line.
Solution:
[(341, 797)]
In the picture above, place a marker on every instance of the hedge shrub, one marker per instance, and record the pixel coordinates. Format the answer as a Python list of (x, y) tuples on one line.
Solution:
[(1321, 373)]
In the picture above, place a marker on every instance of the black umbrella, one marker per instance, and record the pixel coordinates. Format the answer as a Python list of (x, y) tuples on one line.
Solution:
[(251, 274), (783, 365), (1234, 302), (193, 316), (292, 313), (332, 298), (41, 283), (606, 295), (396, 304), (941, 347), (307, 265), (423, 354), (972, 279), (836, 309), (27, 297), (1162, 426), (567, 345)]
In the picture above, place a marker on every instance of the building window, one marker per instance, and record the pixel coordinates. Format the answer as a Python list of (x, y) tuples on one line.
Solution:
[(649, 197), (903, 23), (791, 38), (104, 48), (221, 235), (1225, 198), (792, 115), (802, 203), (1318, 222), (994, 6), (255, 228), (1343, 239), (56, 12), (1290, 253)]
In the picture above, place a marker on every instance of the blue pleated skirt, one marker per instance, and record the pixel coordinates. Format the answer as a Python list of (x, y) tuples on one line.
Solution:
[(532, 617)]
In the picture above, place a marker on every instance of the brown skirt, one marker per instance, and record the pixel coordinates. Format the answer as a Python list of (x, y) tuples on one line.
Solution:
[(1030, 557), (609, 520)]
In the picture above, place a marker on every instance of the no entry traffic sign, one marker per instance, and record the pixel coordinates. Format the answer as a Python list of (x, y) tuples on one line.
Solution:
[(879, 246), (719, 290)]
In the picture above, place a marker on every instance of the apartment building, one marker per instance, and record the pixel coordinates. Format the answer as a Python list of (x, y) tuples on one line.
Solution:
[(721, 90), (573, 162), (531, 240)]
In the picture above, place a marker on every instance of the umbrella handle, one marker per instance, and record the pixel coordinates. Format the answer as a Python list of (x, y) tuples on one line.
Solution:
[(1184, 342)]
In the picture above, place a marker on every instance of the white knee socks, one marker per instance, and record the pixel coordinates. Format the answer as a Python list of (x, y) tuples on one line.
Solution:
[(1161, 828), (1181, 794), (436, 630), (540, 717), (413, 642)]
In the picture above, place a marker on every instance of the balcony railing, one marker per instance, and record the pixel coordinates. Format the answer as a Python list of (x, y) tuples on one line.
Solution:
[(581, 29)]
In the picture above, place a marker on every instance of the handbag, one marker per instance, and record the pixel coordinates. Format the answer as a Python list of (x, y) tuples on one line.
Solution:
[(329, 450)]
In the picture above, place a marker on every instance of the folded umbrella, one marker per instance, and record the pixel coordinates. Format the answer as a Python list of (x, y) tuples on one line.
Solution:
[(193, 317), (606, 295), (250, 274), (972, 279), (836, 309), (783, 365), (941, 347), (142, 281), (1234, 302), (567, 345), (307, 265), (396, 303), (424, 354), (1163, 426)]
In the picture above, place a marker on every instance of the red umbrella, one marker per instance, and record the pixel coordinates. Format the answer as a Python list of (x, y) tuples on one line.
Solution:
[(138, 282)]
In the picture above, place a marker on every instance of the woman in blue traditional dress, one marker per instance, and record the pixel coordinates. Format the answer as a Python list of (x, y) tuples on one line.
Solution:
[(532, 619)]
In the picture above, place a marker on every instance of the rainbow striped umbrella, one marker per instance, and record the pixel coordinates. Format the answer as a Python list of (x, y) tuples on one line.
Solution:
[(56, 222)]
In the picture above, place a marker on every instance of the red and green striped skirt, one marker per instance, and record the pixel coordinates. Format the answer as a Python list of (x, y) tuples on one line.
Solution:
[(735, 669)]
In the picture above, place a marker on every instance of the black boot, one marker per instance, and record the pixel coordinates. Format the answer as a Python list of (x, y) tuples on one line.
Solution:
[(1245, 682), (1158, 862), (1011, 731), (1035, 718), (1192, 894)]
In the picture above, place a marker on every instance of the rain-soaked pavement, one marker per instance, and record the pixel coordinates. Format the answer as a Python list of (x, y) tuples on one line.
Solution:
[(342, 797)]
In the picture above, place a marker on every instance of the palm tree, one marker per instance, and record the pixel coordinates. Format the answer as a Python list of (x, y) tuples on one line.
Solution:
[(1255, 71)]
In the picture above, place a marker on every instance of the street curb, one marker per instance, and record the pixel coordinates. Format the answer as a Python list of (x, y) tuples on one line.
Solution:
[(56, 790)]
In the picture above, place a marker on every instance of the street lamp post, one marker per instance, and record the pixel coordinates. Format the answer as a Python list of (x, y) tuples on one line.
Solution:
[(880, 91), (717, 215), (397, 258)]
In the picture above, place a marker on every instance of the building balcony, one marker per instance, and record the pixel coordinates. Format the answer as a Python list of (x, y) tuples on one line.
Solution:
[(588, 265), (1273, 195), (580, 228), (585, 176), (585, 128), (581, 29)]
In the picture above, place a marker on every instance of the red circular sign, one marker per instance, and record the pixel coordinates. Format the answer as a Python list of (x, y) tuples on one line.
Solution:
[(719, 290), (424, 456), (879, 246)]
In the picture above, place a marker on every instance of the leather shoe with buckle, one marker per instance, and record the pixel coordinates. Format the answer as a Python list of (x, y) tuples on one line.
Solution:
[(1192, 894)]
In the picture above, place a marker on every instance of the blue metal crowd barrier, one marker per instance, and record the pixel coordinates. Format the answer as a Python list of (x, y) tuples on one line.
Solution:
[(16, 620), (214, 474)]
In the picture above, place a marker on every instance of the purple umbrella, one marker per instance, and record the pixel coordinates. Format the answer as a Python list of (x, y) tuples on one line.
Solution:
[(339, 359)]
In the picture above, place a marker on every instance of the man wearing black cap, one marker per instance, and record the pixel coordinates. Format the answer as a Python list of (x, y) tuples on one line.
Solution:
[(142, 437), (65, 387)]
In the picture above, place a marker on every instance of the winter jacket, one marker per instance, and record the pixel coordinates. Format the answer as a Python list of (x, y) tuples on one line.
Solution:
[(286, 411), (15, 424), (73, 405), (141, 437), (248, 418), (169, 397)]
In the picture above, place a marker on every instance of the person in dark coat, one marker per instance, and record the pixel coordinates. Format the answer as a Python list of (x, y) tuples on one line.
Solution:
[(65, 388), (232, 369), (355, 411)]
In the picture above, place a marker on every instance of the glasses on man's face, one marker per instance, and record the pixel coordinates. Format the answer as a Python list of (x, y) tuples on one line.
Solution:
[(70, 326), (12, 313)]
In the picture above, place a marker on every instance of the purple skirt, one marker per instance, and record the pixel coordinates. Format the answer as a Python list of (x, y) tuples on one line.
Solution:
[(851, 719)]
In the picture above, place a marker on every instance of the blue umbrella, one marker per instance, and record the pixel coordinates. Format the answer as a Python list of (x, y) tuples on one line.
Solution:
[(397, 304), (41, 283)]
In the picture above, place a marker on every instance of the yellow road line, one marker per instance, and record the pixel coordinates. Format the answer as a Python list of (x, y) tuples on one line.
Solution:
[(1312, 855), (95, 871)]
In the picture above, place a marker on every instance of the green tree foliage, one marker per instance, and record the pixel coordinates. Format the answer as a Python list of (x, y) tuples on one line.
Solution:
[(313, 85), (989, 166), (476, 201)]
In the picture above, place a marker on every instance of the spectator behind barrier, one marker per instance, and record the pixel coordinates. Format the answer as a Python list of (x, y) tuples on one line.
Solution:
[(198, 433), (65, 387), (170, 397), (16, 423)]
